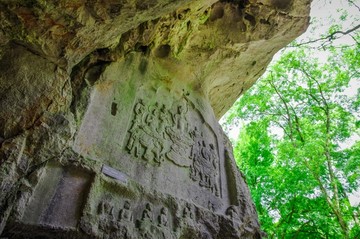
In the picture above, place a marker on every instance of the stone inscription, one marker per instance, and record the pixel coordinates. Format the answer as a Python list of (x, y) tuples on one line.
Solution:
[(113, 173), (159, 132)]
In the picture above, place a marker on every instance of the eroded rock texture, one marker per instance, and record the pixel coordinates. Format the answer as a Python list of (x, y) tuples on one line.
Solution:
[(108, 114)]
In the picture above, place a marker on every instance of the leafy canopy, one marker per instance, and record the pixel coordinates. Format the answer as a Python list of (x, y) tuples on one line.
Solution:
[(291, 145)]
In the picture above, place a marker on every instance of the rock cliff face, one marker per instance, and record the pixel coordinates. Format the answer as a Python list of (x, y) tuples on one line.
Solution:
[(109, 108)]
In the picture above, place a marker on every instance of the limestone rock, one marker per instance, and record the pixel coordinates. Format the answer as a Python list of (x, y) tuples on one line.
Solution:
[(108, 114), (221, 47)]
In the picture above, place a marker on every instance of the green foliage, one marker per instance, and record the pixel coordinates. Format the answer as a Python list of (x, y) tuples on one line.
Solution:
[(291, 147)]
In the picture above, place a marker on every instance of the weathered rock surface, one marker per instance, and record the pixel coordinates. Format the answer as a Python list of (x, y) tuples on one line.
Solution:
[(108, 114)]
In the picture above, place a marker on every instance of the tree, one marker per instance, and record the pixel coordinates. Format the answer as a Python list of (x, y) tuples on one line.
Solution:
[(291, 145), (346, 25)]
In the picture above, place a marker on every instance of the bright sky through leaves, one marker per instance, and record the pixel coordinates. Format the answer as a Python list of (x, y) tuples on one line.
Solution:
[(296, 132)]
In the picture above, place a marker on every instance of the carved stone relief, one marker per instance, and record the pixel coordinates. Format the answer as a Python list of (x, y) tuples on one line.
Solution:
[(153, 222), (125, 214), (204, 168), (159, 131), (188, 216), (151, 130), (134, 193), (233, 214), (116, 210)]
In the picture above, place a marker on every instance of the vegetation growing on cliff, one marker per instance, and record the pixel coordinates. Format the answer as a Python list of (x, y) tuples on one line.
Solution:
[(298, 146)]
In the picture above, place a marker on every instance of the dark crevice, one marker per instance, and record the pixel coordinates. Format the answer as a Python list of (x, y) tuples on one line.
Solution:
[(163, 51), (241, 3), (216, 13), (188, 25), (115, 9), (113, 109), (143, 66), (251, 19), (79, 83), (142, 48), (264, 21), (1, 141), (231, 178), (281, 4), (87, 72)]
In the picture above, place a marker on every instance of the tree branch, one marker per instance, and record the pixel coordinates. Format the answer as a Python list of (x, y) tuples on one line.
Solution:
[(333, 179), (297, 125), (291, 133), (355, 5), (330, 37)]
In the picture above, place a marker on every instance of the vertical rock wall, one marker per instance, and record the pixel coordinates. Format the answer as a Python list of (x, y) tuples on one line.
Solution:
[(108, 115)]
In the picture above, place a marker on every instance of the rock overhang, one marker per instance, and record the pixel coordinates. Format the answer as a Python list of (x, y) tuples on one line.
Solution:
[(109, 108), (218, 48)]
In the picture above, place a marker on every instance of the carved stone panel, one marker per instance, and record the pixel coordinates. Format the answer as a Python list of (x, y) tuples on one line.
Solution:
[(161, 131), (165, 169), (157, 135), (58, 198)]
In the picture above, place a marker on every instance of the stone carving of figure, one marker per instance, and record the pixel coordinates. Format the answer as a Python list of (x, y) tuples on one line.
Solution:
[(152, 140), (106, 215), (195, 169), (180, 136), (214, 162), (213, 156), (206, 166), (204, 163), (145, 140), (147, 213), (211, 206), (180, 119), (101, 208), (124, 233), (196, 135), (232, 213), (135, 131), (188, 216), (125, 213), (164, 121), (145, 225), (105, 208), (151, 119), (163, 217), (187, 212), (195, 154)]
